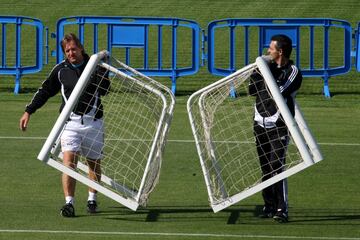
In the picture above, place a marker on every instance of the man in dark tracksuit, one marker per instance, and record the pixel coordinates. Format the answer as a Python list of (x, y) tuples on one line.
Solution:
[(64, 77), (271, 133), (81, 133)]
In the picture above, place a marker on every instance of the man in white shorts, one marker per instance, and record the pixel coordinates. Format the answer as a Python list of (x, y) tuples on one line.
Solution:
[(83, 133)]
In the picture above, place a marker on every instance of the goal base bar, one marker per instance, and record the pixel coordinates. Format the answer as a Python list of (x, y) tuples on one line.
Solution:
[(108, 181), (249, 192), (127, 202)]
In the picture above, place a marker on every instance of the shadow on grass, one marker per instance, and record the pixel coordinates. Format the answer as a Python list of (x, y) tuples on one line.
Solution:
[(326, 216), (175, 214), (246, 214)]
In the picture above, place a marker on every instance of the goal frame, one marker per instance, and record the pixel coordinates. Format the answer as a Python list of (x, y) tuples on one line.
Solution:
[(52, 145), (299, 130)]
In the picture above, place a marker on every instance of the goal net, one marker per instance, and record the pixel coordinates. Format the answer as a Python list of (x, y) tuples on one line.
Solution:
[(222, 120), (137, 112)]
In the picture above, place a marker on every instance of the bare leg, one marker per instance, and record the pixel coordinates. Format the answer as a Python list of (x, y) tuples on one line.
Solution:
[(69, 160), (94, 171)]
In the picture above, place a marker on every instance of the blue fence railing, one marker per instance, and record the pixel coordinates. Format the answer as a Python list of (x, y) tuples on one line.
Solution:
[(171, 47), (15, 60), (311, 40), (172, 42), (357, 48)]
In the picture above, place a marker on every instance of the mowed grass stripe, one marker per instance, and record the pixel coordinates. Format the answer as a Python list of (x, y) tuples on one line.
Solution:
[(179, 141), (213, 235)]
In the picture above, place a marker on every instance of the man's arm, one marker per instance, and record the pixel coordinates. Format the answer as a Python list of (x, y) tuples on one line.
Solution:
[(104, 81), (256, 84), (49, 88), (293, 82)]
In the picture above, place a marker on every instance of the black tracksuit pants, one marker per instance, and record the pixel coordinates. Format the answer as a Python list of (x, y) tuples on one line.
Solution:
[(271, 144)]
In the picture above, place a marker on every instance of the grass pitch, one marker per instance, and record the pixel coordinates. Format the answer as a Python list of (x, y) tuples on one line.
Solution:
[(324, 199)]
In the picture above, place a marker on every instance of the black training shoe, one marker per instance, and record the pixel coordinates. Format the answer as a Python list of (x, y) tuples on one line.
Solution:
[(267, 212), (92, 206), (281, 216), (67, 210)]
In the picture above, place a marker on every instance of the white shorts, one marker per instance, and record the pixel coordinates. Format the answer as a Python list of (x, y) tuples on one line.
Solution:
[(84, 136)]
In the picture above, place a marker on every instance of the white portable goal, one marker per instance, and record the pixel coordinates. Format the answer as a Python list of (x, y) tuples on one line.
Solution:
[(137, 115), (223, 130)]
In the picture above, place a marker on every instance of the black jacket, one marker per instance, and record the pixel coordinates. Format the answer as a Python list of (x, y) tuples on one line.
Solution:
[(288, 79), (63, 77)]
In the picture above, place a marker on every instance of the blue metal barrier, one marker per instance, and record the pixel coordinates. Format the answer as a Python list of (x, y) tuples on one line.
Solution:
[(171, 47), (357, 48), (159, 35), (308, 37), (13, 51)]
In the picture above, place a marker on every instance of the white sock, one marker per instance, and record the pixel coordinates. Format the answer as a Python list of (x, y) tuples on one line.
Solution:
[(92, 196), (69, 199)]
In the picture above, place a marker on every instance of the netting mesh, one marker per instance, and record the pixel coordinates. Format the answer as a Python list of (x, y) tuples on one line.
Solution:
[(136, 114), (222, 117)]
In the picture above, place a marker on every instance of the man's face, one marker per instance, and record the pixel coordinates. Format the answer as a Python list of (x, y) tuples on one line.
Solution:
[(73, 53), (273, 52)]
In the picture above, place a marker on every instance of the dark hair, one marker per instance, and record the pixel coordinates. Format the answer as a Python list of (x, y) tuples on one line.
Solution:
[(283, 42), (71, 37)]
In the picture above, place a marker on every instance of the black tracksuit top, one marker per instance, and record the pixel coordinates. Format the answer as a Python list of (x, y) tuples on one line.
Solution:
[(63, 77), (288, 79)]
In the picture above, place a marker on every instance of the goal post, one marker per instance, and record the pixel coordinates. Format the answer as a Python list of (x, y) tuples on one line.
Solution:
[(222, 126), (137, 115)]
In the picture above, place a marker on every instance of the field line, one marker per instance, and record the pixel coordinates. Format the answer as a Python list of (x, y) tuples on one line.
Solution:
[(178, 141), (173, 234)]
